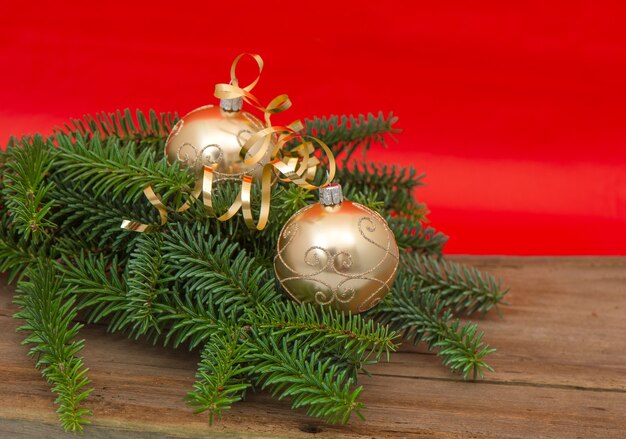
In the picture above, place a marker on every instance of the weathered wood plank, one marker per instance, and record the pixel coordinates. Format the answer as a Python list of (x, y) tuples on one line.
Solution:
[(560, 372), (566, 324)]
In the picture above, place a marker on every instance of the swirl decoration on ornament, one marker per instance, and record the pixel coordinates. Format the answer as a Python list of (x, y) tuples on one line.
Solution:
[(297, 165), (194, 158)]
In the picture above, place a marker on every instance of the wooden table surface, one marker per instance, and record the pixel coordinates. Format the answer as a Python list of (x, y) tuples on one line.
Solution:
[(560, 371)]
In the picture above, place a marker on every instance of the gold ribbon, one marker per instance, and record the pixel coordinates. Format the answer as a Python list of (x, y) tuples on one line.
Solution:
[(297, 166), (233, 91), (155, 200)]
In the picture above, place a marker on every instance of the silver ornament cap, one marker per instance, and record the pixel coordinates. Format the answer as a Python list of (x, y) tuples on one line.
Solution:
[(231, 105), (331, 195)]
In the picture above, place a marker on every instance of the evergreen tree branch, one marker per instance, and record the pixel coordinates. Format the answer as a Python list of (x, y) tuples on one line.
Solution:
[(151, 130), (346, 134), (99, 287), (145, 284), (108, 166), (419, 316), (191, 322), (25, 187), (461, 288), (294, 370), (351, 336), (221, 379), (92, 221), (216, 269), (393, 186), (415, 237), (48, 311), (16, 254)]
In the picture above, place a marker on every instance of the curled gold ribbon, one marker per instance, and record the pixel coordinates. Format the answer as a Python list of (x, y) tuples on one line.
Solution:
[(155, 200), (207, 197), (233, 91), (298, 166)]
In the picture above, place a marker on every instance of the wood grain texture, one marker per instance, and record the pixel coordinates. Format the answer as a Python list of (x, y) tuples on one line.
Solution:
[(560, 371)]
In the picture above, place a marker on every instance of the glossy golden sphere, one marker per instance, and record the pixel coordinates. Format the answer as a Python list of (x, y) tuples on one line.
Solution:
[(210, 136), (342, 256)]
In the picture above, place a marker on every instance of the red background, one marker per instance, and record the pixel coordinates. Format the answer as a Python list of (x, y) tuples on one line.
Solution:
[(516, 113)]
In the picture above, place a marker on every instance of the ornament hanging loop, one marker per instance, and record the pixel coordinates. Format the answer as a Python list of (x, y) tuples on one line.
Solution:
[(232, 90), (233, 70)]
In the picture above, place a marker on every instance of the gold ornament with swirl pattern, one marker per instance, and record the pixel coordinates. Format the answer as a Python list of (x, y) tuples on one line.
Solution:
[(212, 136), (337, 254), (220, 143)]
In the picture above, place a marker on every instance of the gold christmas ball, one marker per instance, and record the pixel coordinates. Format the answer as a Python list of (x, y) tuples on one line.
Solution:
[(213, 136), (337, 253)]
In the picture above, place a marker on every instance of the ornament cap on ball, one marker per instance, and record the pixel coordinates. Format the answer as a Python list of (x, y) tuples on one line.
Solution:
[(331, 195), (337, 254), (231, 105)]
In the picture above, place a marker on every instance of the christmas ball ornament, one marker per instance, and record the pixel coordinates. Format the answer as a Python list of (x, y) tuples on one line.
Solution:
[(337, 253), (213, 136), (219, 143)]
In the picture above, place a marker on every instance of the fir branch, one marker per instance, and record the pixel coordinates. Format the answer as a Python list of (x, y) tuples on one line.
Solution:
[(25, 188), (368, 198), (419, 316), (16, 254), (461, 288), (119, 169), (216, 269), (145, 284), (48, 311), (351, 335), (294, 370), (413, 236), (103, 291), (145, 131), (286, 201), (93, 221), (98, 286), (393, 186), (345, 134), (221, 379), (191, 322), (4, 154), (14, 259)]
